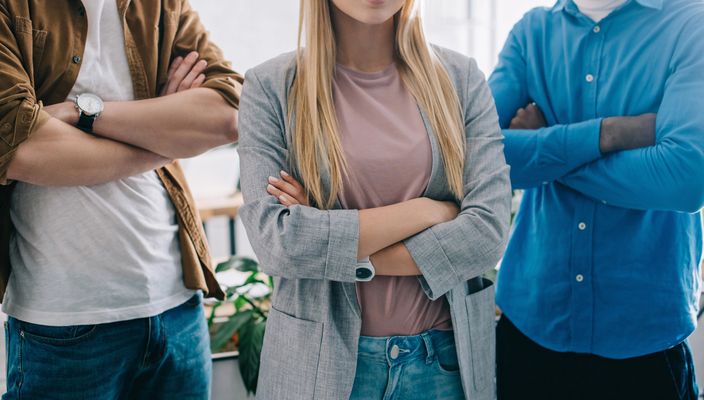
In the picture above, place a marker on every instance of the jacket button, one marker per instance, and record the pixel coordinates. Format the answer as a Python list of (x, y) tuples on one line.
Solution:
[(76, 59)]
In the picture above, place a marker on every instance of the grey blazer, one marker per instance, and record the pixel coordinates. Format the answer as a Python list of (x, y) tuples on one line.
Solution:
[(310, 345)]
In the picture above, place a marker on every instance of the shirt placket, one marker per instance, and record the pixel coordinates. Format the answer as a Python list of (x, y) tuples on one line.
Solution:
[(581, 266)]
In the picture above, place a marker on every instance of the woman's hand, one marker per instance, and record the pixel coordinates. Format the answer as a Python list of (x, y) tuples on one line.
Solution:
[(287, 190)]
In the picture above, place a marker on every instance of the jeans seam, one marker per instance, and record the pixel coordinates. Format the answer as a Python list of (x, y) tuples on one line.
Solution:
[(20, 366), (672, 374)]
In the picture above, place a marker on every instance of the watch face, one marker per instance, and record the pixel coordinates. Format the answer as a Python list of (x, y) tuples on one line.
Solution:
[(90, 104), (363, 273)]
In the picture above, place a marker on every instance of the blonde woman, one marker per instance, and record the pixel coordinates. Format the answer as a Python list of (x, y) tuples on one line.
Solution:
[(404, 202)]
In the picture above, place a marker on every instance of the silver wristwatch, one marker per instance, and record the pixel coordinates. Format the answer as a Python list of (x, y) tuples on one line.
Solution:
[(89, 107)]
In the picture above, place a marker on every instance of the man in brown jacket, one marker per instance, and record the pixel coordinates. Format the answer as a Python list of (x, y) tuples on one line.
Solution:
[(102, 254)]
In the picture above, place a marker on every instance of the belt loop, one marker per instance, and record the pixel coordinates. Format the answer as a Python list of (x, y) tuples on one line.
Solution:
[(430, 351)]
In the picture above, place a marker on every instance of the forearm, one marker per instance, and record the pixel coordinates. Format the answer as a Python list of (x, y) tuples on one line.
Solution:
[(394, 260), (60, 155), (180, 125), (383, 226)]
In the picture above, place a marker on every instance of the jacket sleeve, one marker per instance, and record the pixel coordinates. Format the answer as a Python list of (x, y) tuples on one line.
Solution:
[(298, 242), (20, 112), (670, 174), (219, 75), (542, 155), (454, 252)]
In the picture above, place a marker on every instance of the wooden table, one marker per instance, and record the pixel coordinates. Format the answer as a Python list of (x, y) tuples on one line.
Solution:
[(223, 206)]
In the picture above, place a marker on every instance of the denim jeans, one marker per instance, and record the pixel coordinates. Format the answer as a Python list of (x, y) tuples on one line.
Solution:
[(162, 357), (421, 367)]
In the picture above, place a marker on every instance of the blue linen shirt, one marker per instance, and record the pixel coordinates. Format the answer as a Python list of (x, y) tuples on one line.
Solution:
[(605, 249)]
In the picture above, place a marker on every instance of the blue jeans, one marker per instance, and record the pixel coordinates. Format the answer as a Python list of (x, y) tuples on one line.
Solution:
[(408, 368), (162, 357)]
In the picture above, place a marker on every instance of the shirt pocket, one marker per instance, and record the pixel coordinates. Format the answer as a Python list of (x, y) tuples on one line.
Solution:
[(31, 43), (289, 358)]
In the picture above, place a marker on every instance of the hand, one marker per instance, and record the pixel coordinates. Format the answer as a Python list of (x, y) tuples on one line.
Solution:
[(65, 112), (287, 190), (184, 73), (530, 117), (627, 133)]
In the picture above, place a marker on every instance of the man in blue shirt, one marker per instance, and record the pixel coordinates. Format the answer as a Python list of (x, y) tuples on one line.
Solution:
[(602, 105)]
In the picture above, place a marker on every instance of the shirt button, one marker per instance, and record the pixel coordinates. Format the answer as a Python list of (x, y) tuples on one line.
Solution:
[(589, 78), (597, 29), (582, 226), (76, 59), (579, 278), (394, 352)]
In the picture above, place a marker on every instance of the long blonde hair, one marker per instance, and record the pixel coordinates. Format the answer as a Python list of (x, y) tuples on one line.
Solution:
[(316, 140)]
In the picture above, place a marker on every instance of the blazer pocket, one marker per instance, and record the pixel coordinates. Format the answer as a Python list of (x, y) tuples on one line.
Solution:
[(482, 335), (289, 359)]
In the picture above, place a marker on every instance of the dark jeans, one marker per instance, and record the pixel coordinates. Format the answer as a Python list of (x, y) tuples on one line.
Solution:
[(528, 371), (162, 357)]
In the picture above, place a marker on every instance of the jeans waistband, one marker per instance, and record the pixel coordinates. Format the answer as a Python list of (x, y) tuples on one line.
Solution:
[(400, 349)]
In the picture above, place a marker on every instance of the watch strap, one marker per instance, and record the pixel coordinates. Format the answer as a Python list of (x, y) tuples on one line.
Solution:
[(85, 122)]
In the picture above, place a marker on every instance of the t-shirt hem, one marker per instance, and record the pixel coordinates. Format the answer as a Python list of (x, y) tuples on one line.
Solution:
[(105, 316)]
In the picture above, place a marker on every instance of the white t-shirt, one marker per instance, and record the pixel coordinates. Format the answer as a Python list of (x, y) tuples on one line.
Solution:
[(598, 9), (95, 254)]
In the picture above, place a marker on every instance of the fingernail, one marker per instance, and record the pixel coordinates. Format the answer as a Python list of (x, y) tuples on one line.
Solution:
[(203, 62), (269, 188), (282, 198), (283, 173), (193, 55), (273, 180)]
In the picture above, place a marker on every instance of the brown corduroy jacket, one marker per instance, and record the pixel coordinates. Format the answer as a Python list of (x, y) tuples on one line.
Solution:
[(41, 48)]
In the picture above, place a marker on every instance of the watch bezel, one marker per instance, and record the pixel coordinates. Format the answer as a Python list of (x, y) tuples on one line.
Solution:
[(85, 108)]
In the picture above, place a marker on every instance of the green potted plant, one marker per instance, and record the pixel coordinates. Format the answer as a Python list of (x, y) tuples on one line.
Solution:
[(237, 323)]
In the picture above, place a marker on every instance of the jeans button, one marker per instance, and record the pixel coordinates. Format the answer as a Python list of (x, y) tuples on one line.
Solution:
[(394, 352)]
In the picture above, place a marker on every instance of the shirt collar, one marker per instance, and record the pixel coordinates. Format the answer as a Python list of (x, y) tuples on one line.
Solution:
[(654, 4)]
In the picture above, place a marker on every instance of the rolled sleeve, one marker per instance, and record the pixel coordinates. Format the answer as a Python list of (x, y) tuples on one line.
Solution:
[(20, 112), (299, 242)]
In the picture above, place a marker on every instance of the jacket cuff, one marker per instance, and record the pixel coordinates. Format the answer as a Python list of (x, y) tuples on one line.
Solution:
[(439, 276), (343, 242), (229, 87)]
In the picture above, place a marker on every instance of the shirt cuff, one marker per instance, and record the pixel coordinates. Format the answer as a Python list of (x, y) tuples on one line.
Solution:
[(582, 142)]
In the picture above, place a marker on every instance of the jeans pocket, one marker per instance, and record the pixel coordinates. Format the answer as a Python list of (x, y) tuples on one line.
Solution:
[(446, 357), (57, 335)]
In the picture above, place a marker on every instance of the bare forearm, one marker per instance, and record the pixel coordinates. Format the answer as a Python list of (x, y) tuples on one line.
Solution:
[(627, 133), (180, 125), (382, 227), (61, 155), (394, 260)]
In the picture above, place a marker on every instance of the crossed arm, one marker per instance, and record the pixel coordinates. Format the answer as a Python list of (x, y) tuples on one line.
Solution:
[(388, 254), (130, 137), (638, 162)]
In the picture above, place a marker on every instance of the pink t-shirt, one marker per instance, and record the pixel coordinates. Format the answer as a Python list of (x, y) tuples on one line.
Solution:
[(389, 161)]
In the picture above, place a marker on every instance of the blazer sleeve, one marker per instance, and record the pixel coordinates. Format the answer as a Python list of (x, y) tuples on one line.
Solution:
[(298, 242), (451, 253)]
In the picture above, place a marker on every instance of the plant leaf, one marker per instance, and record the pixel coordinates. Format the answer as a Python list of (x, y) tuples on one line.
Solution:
[(250, 348), (239, 263), (224, 332)]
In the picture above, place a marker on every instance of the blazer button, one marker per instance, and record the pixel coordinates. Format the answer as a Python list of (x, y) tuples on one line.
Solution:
[(76, 59)]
